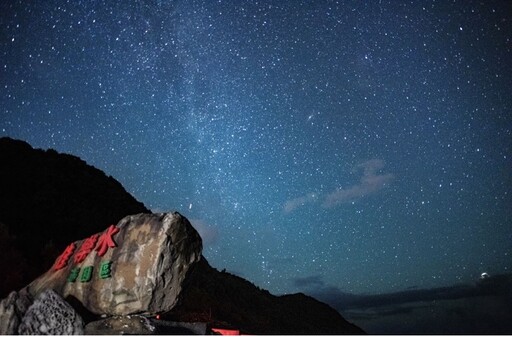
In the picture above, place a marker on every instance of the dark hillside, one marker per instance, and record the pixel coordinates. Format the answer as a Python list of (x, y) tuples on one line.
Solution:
[(221, 298), (47, 200)]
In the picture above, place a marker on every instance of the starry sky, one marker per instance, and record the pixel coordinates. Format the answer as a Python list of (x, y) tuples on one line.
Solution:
[(363, 146)]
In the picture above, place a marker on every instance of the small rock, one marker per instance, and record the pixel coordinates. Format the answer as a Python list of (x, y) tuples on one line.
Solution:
[(51, 315), (12, 309)]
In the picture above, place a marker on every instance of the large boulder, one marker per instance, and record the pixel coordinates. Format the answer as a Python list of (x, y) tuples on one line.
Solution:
[(136, 266)]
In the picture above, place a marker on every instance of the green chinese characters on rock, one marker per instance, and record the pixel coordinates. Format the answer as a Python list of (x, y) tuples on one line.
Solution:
[(73, 274), (86, 274), (105, 269)]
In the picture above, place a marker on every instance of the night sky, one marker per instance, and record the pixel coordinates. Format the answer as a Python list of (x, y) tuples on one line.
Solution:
[(363, 146)]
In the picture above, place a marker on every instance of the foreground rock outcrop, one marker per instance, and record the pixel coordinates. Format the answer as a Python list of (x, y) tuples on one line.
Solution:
[(136, 266)]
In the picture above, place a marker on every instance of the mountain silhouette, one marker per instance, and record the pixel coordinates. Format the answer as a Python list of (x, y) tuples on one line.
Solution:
[(48, 200), (223, 299)]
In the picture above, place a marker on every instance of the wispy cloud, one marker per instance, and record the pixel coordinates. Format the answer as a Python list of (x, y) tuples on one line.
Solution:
[(208, 233), (371, 182), (292, 204)]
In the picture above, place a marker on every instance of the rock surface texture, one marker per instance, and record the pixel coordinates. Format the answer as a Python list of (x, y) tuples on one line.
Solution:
[(121, 325), (51, 315), (12, 310), (136, 266)]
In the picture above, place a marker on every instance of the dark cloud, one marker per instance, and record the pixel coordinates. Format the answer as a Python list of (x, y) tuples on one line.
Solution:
[(315, 286), (499, 285), (484, 307), (314, 281)]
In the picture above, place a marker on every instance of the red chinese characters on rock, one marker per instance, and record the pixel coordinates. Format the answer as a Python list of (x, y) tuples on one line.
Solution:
[(86, 248), (62, 260), (99, 242), (105, 242)]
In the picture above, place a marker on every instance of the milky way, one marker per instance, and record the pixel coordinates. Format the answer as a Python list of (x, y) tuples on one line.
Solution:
[(350, 145)]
